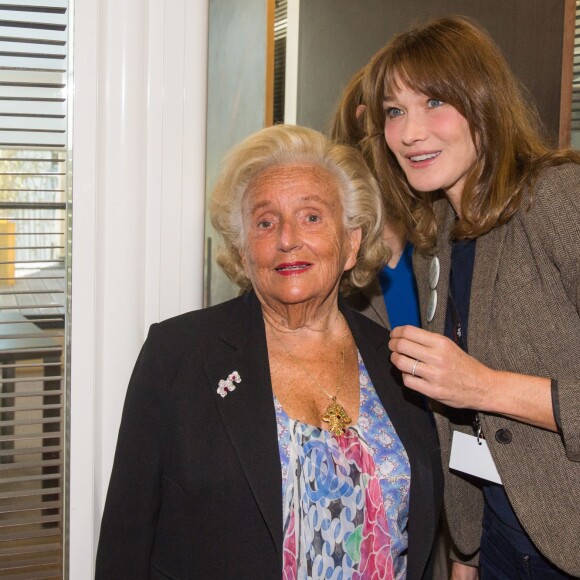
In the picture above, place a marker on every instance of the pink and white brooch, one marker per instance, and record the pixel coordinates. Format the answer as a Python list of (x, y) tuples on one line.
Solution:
[(227, 386)]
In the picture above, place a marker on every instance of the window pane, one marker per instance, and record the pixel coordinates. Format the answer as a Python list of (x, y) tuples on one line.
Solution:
[(34, 212)]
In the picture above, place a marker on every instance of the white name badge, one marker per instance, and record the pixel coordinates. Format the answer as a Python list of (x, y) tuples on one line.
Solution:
[(472, 457)]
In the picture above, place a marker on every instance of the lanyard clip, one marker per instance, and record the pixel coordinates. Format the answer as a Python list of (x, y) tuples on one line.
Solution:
[(478, 430)]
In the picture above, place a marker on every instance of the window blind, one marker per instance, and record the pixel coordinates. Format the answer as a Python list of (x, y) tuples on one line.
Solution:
[(34, 262), (575, 122), (280, 33)]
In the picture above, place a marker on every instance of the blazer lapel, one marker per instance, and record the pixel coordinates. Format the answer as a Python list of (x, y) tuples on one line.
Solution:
[(374, 294), (488, 251), (248, 412), (446, 218), (487, 257)]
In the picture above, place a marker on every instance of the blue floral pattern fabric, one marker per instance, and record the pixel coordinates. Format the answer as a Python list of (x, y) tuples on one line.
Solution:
[(346, 498)]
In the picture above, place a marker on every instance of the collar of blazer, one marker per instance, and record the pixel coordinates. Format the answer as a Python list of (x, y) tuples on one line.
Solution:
[(375, 308), (487, 260)]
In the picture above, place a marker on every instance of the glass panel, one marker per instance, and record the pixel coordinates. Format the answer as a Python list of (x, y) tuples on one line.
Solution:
[(235, 105), (32, 323)]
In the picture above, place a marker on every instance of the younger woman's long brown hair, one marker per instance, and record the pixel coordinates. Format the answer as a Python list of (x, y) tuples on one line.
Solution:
[(453, 59)]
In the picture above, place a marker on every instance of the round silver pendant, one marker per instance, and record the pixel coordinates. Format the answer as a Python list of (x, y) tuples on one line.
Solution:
[(434, 273), (432, 305)]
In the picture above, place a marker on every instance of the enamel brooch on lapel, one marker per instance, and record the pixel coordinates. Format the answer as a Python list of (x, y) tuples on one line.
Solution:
[(434, 270), (227, 386)]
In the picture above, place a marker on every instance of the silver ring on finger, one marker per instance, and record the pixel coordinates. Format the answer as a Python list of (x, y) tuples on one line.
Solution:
[(414, 368)]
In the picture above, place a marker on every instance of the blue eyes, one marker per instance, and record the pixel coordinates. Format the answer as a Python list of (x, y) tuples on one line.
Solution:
[(393, 112)]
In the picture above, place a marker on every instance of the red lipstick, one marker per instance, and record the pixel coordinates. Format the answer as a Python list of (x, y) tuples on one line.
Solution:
[(292, 268)]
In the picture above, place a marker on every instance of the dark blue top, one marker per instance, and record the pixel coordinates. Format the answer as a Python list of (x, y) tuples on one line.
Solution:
[(457, 315), (400, 291)]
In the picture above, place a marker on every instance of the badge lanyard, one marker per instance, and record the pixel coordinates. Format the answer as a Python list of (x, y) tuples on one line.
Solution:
[(458, 336)]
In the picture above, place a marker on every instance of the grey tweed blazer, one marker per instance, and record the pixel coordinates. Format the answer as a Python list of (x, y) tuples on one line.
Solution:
[(524, 317), (370, 302)]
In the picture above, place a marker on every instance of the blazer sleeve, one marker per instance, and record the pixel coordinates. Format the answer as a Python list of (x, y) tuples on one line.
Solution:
[(554, 218), (133, 498)]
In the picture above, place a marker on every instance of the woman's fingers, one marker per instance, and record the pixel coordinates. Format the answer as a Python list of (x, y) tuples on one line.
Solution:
[(415, 334), (412, 344), (436, 367), (407, 364), (409, 351), (463, 572), (415, 364)]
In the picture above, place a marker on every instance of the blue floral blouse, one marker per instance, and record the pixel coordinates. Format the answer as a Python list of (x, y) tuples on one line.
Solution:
[(346, 498)]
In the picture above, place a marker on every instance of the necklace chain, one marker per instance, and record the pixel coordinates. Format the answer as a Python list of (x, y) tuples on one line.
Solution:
[(335, 414)]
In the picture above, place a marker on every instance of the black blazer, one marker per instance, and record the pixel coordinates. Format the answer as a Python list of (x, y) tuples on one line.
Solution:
[(196, 488)]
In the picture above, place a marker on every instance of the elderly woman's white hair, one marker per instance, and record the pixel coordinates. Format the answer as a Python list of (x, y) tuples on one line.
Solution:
[(289, 144)]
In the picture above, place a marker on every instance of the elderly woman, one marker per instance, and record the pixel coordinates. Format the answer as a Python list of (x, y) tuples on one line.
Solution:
[(266, 437), (495, 217)]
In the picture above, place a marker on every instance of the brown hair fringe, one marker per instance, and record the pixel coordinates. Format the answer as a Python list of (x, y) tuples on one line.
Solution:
[(455, 60)]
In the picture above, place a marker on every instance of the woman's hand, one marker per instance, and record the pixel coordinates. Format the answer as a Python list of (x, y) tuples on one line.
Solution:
[(435, 366), (463, 572)]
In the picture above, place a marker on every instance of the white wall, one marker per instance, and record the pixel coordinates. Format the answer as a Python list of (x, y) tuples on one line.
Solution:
[(138, 204)]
